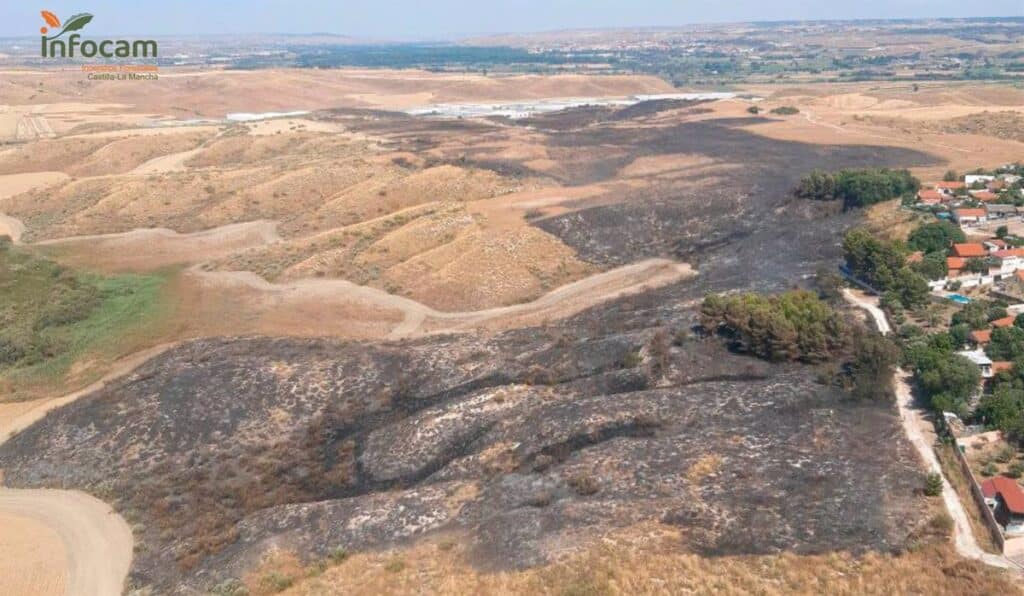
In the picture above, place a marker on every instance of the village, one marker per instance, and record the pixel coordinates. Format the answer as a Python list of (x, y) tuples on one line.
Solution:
[(981, 274)]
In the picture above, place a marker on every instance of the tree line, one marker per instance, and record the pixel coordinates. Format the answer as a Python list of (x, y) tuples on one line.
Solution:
[(857, 188)]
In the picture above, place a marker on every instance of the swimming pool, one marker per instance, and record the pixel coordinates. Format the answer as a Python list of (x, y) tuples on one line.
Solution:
[(959, 299)]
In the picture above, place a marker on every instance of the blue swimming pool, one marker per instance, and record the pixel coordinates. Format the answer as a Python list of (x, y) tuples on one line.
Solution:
[(959, 299)]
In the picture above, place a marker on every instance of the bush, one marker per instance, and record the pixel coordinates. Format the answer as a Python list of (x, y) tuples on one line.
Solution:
[(584, 484), (276, 582), (754, 110), (338, 554), (989, 470), (785, 111), (933, 484), (1015, 470)]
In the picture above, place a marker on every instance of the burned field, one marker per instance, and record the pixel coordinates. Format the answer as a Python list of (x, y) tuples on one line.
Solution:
[(707, 191), (522, 446)]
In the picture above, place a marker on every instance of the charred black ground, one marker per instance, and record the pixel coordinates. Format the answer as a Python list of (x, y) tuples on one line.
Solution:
[(530, 441)]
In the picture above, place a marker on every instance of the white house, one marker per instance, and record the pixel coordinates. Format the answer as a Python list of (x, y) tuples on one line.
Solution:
[(972, 178), (979, 358)]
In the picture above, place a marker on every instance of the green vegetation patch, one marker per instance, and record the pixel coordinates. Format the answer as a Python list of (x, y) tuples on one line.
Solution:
[(857, 188), (52, 317)]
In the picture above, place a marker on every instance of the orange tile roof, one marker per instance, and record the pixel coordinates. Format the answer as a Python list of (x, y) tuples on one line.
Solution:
[(1009, 252), (1009, 490), (984, 195), (953, 263), (1002, 366), (930, 196), (1004, 322), (981, 336), (950, 185), (970, 212), (969, 249)]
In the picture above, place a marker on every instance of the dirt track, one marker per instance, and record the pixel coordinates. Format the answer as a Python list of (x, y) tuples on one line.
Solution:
[(330, 298), (97, 542)]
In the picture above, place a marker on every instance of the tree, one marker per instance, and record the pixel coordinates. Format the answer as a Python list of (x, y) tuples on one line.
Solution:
[(949, 375), (950, 176), (1007, 343), (935, 237), (932, 266), (754, 110), (1002, 232), (977, 265), (974, 315), (871, 370), (872, 260), (912, 287), (933, 484)]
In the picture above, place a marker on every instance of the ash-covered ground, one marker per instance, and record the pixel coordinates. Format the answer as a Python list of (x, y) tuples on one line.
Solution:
[(529, 443), (526, 445)]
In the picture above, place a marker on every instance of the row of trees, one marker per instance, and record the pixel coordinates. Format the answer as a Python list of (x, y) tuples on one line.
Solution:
[(882, 264), (857, 188)]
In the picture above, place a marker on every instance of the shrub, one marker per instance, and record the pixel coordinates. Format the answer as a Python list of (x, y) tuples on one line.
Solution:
[(631, 359), (785, 111), (754, 110), (1005, 455), (276, 582), (338, 554), (941, 523), (933, 484), (584, 484), (989, 470), (1016, 470)]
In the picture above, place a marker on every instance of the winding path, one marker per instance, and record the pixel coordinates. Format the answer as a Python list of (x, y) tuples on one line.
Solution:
[(915, 425)]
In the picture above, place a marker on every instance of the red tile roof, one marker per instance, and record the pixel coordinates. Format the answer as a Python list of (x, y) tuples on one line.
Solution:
[(988, 488), (954, 263), (1009, 490), (930, 196), (950, 185), (969, 250), (1010, 252), (1001, 365), (1004, 322), (996, 242), (982, 336), (969, 212), (984, 195)]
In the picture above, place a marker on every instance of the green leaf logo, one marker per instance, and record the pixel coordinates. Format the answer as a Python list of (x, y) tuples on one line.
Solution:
[(74, 23)]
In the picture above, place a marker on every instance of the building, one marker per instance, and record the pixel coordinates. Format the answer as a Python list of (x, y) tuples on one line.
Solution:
[(977, 356), (994, 244), (980, 338), (1007, 503), (1004, 322), (985, 196), (967, 217), (949, 188), (1000, 211), (930, 197), (973, 178), (970, 250)]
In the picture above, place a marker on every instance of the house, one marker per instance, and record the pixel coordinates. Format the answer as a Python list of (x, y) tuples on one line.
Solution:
[(955, 265), (985, 196), (988, 490), (930, 197), (970, 216), (1010, 260), (998, 211), (1004, 322), (980, 338), (1001, 366), (971, 179), (994, 244), (969, 250), (949, 188), (1009, 503)]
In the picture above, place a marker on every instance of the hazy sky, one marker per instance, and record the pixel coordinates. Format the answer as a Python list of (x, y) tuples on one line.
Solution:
[(411, 19)]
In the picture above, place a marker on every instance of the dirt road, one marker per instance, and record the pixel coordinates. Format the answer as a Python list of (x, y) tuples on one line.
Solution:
[(334, 297), (917, 427), (97, 543)]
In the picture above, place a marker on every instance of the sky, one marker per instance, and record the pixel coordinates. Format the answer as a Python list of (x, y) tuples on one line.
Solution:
[(446, 19)]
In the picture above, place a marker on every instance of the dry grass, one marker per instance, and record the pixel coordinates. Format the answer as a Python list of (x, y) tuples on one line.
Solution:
[(651, 560), (890, 220), (954, 473)]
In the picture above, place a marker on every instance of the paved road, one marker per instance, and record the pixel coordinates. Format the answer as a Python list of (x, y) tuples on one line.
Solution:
[(917, 428)]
